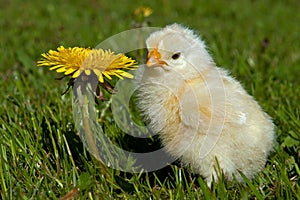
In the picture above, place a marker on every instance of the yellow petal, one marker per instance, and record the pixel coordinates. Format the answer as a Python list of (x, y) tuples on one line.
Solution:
[(106, 75), (76, 74), (55, 67), (101, 78), (87, 72), (125, 74), (117, 75), (61, 70), (70, 71), (97, 72)]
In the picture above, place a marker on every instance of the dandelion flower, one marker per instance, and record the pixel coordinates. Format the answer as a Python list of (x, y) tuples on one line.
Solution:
[(75, 61), (144, 11)]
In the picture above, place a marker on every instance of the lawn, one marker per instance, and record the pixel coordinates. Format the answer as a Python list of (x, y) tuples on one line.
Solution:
[(41, 154)]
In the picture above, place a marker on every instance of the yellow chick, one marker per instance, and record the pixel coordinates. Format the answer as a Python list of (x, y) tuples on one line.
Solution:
[(202, 114)]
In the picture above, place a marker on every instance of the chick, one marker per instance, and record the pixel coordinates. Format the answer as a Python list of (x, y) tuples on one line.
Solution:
[(203, 116)]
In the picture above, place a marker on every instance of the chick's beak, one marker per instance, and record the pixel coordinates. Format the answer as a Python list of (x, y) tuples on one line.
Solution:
[(154, 59)]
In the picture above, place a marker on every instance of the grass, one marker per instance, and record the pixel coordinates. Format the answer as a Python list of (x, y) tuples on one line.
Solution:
[(41, 156)]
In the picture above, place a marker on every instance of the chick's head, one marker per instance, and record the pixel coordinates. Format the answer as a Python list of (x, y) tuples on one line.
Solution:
[(176, 47)]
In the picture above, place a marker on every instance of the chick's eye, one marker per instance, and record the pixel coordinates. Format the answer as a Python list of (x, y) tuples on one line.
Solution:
[(175, 56)]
